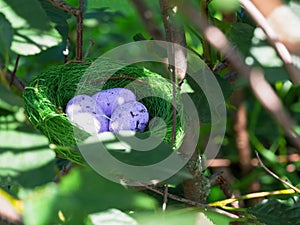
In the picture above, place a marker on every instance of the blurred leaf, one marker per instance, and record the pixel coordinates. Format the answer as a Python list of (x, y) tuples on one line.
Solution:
[(57, 16), (6, 38), (33, 31), (183, 216), (124, 7), (276, 212), (241, 35), (137, 150), (227, 7), (80, 193), (111, 217), (8, 99), (198, 96), (25, 158)]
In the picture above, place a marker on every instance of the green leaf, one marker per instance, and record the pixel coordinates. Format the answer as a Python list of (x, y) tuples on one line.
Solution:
[(57, 16), (79, 194), (25, 158), (33, 32), (241, 35), (182, 216), (198, 96), (227, 6), (136, 150), (276, 212), (111, 217), (6, 37)]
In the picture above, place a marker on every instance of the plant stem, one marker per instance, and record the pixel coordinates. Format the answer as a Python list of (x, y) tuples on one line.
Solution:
[(79, 30)]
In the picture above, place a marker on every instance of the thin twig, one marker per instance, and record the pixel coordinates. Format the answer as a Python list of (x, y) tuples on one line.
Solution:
[(88, 49), (64, 6), (225, 202), (280, 48), (79, 30), (275, 175), (64, 171), (205, 43), (165, 200), (146, 16), (190, 202), (18, 83), (13, 74), (261, 88)]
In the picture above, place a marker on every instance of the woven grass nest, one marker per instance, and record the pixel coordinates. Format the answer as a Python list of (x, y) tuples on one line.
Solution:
[(47, 95)]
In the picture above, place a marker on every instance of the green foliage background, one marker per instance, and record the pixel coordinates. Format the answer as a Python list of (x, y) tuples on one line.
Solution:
[(28, 166)]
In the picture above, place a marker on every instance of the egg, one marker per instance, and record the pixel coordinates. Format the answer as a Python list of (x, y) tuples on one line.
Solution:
[(83, 112), (110, 99), (129, 116)]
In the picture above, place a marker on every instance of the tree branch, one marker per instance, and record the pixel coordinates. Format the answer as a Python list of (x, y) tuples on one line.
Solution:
[(64, 6), (190, 202), (146, 16), (78, 13), (273, 39), (18, 83), (275, 175), (261, 88), (79, 30)]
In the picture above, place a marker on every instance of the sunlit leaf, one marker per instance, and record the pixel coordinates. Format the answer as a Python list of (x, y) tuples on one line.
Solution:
[(111, 217), (6, 37), (33, 31), (79, 194), (25, 158)]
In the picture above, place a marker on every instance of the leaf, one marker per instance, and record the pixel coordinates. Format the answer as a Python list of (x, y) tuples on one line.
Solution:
[(57, 16), (80, 193), (33, 32), (182, 216), (128, 152), (6, 38), (25, 158), (111, 217), (276, 212), (241, 35), (198, 96)]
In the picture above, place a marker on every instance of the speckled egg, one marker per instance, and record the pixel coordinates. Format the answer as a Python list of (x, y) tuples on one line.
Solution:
[(80, 103), (90, 122), (129, 116), (112, 98), (84, 113)]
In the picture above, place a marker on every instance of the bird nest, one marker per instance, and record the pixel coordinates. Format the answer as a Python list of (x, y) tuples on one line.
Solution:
[(47, 95)]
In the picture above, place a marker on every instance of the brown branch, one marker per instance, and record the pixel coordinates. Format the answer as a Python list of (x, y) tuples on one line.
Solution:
[(146, 17), (64, 6), (78, 13), (190, 202), (79, 30), (18, 83), (174, 34), (13, 74), (275, 175), (273, 39), (206, 46), (89, 48), (261, 88), (165, 199)]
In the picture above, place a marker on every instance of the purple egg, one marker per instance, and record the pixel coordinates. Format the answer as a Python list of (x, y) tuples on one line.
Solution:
[(84, 113), (112, 98), (90, 122), (129, 116), (80, 103)]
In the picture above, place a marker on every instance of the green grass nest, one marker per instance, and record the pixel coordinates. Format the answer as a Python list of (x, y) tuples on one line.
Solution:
[(47, 95)]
